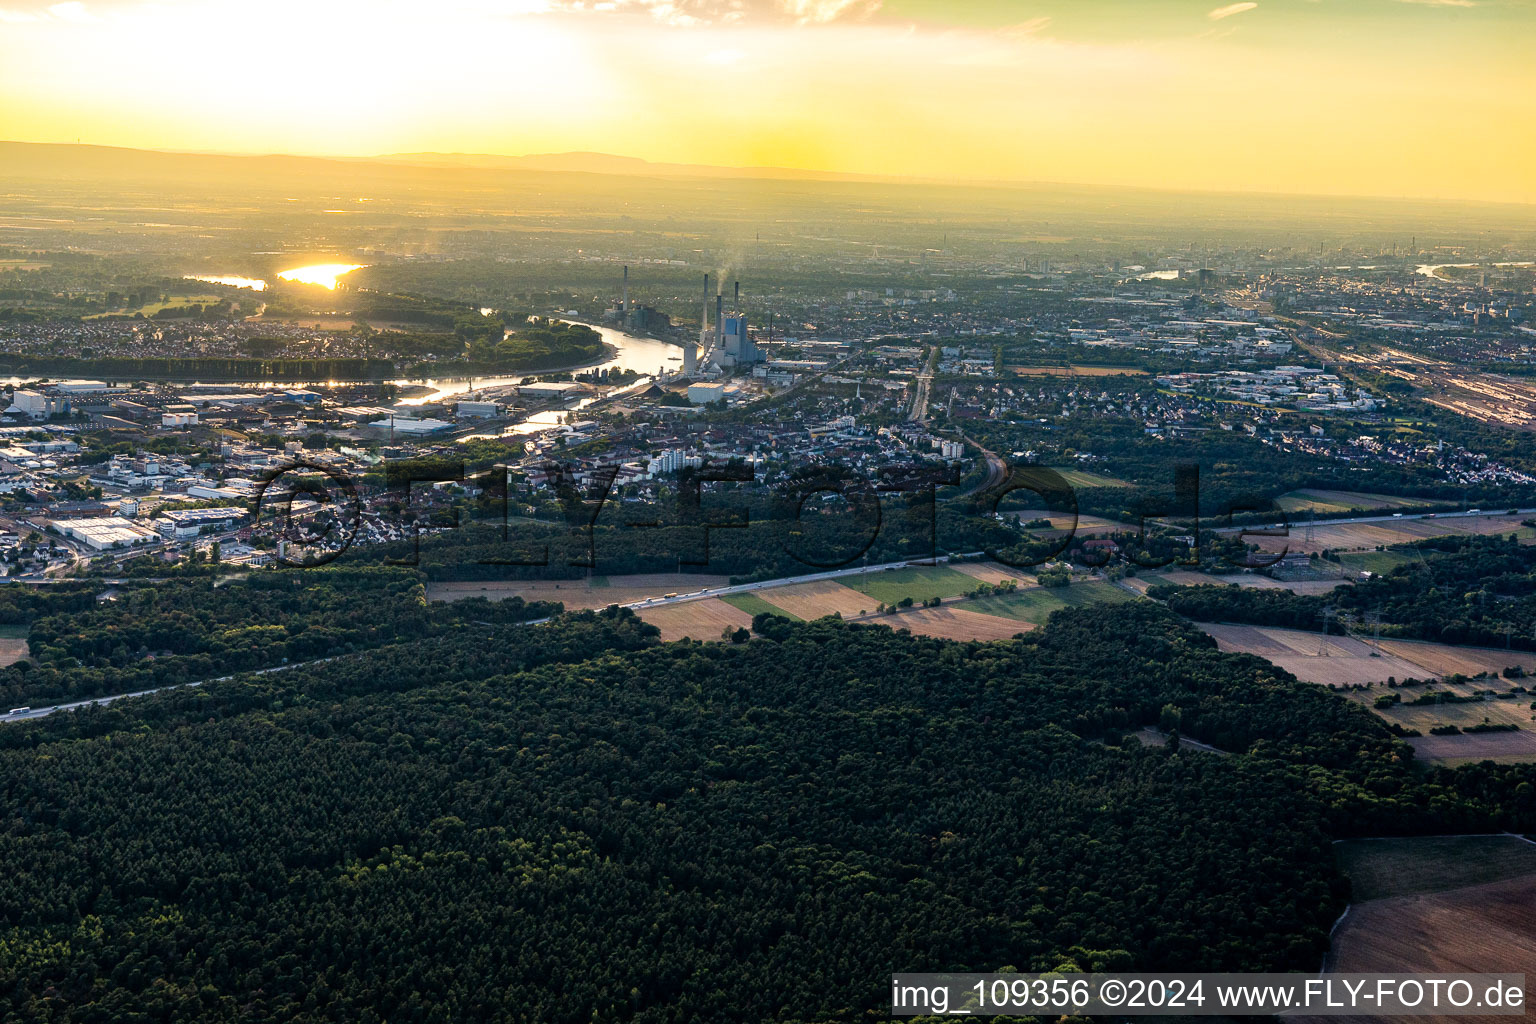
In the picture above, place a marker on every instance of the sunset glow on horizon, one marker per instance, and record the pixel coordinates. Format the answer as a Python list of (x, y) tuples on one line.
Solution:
[(1428, 98)]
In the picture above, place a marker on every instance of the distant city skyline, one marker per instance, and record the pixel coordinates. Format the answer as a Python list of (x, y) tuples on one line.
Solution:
[(1417, 98)]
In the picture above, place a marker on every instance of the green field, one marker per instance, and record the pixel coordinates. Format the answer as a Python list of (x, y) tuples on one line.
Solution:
[(1379, 868), (1078, 478), (754, 605), (151, 308), (1376, 561), (1036, 604), (917, 582)]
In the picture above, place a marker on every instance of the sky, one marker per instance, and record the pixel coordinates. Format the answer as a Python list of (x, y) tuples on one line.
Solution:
[(1432, 98)]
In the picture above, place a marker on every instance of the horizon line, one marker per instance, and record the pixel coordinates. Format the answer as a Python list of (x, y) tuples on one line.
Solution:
[(659, 168)]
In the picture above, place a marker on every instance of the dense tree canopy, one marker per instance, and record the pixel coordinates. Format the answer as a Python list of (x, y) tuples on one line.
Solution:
[(559, 822)]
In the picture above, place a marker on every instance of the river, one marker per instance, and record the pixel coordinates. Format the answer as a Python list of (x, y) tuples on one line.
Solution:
[(631, 352)]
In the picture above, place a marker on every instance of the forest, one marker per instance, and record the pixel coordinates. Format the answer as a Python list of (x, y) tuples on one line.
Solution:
[(87, 640), (569, 822)]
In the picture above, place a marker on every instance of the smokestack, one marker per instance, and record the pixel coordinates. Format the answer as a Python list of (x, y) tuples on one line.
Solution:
[(736, 304), (626, 293), (719, 321), (704, 316)]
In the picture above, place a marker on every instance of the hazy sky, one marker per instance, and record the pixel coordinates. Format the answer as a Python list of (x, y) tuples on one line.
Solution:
[(1382, 97)]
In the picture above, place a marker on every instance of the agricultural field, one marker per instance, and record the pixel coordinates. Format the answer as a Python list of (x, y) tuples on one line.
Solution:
[(597, 592), (1186, 578), (1083, 524), (1464, 747), (813, 600), (1383, 868), (1348, 661), (955, 622), (699, 620), (1369, 536), (1468, 928), (1308, 500), (916, 581), (1315, 658), (754, 605), (1078, 478), (13, 644), (149, 309), (1036, 604), (991, 572), (1378, 562)]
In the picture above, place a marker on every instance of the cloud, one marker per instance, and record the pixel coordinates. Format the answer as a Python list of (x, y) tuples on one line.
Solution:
[(1231, 9), (685, 13), (70, 10), (1028, 28), (15, 17)]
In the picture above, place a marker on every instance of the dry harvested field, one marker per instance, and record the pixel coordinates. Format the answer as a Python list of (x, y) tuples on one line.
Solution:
[(700, 620), (1413, 866), (991, 572), (954, 624), (1084, 524), (813, 600), (1470, 748), (1313, 657), (1316, 659), (1444, 660), (1344, 661), (1485, 928), (12, 650), (577, 594), (1367, 536), (1186, 578), (1342, 501), (1458, 748)]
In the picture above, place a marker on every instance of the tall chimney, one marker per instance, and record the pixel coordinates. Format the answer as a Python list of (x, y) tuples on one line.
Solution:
[(704, 317), (626, 293), (719, 322), (736, 305)]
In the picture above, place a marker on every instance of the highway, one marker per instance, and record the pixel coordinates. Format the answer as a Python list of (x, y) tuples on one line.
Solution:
[(924, 386), (42, 712), (997, 469), (655, 602)]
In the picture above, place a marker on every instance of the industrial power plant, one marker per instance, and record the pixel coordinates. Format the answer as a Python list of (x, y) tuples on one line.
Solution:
[(724, 343)]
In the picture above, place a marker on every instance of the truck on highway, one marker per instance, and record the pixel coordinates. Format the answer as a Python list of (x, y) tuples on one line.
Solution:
[(18, 711)]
